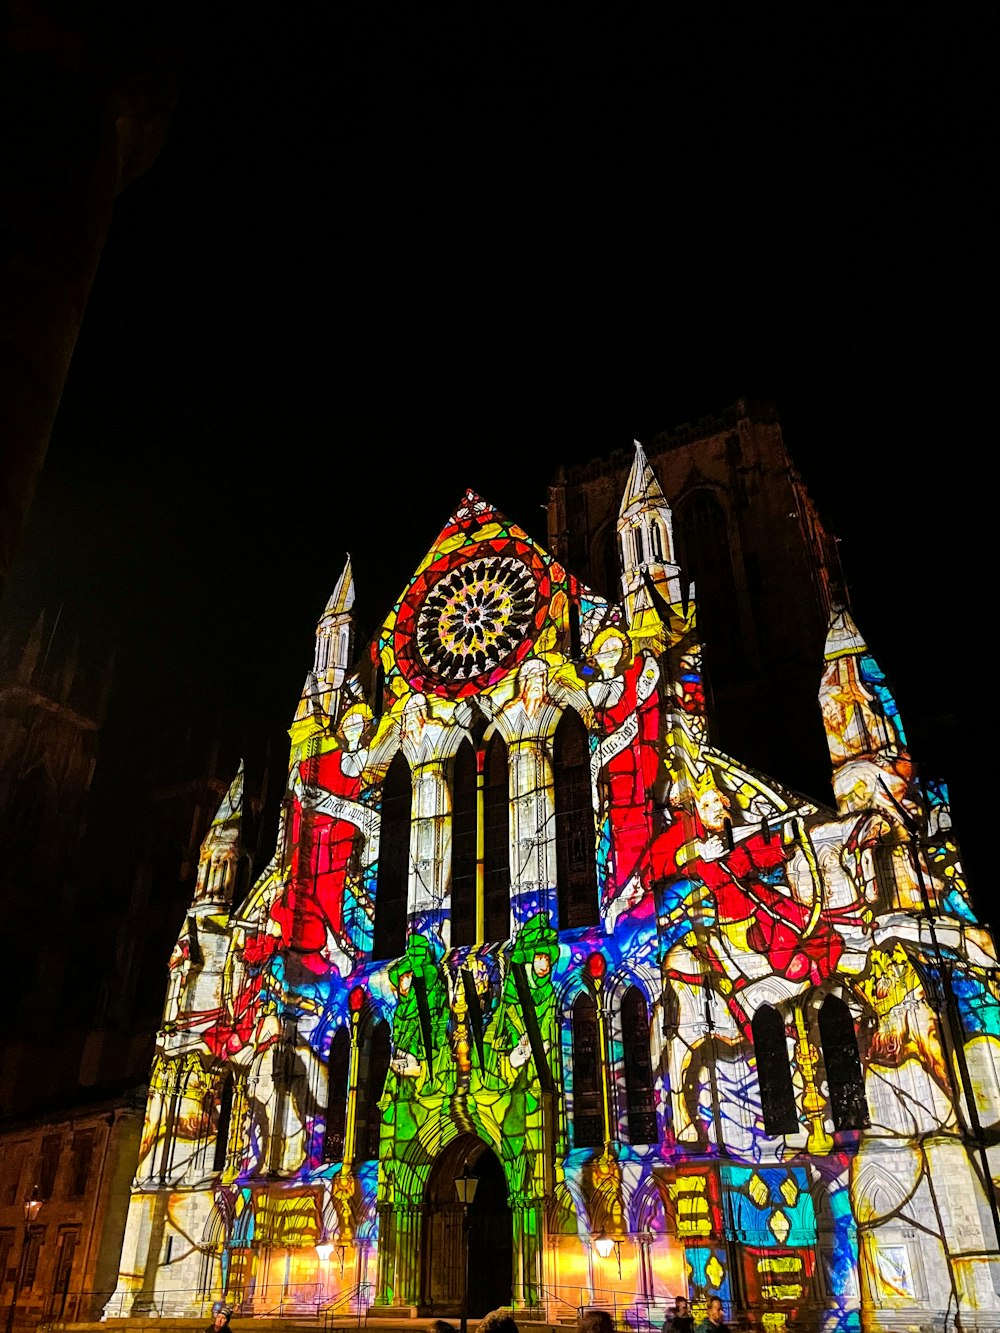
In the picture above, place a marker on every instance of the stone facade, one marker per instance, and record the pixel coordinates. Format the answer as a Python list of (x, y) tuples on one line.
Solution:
[(525, 922)]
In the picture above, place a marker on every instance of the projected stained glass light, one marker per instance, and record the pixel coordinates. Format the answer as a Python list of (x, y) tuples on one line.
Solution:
[(524, 922)]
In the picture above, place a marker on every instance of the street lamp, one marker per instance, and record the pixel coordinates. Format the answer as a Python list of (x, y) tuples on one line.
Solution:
[(465, 1187), (32, 1207)]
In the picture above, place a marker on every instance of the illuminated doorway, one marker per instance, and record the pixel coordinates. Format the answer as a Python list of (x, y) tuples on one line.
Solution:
[(490, 1233)]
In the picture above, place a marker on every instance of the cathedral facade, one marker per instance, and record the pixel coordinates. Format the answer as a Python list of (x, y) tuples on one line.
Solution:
[(527, 933)]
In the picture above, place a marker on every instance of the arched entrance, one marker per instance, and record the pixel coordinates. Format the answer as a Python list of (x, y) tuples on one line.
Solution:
[(491, 1244)]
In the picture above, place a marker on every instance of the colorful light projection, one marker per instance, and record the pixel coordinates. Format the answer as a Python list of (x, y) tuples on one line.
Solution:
[(748, 1043)]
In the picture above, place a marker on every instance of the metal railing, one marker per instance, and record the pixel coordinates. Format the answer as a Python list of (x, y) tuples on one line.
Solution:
[(306, 1299), (360, 1296), (629, 1309)]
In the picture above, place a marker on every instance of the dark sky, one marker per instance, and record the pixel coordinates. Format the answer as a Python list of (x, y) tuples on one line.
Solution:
[(391, 252)]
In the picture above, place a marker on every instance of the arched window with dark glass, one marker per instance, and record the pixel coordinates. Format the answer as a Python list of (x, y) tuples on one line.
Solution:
[(656, 540), (640, 1098), (373, 1066), (393, 862), (338, 1070), (480, 817), (464, 839), (708, 559), (777, 1096), (576, 860), (496, 840), (844, 1077), (587, 1119), (224, 1119)]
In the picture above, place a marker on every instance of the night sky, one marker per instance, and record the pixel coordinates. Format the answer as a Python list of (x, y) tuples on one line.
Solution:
[(390, 253)]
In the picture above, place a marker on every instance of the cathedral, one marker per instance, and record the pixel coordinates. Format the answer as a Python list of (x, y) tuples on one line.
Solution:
[(546, 1001)]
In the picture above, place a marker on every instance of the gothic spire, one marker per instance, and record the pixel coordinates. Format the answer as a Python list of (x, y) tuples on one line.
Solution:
[(646, 547)]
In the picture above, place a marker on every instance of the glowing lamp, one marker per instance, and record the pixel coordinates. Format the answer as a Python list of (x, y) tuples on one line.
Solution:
[(32, 1207), (604, 1245), (596, 966), (356, 999), (465, 1187), (323, 1251)]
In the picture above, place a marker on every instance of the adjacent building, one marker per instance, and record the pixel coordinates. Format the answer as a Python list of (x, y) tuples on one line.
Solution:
[(527, 926)]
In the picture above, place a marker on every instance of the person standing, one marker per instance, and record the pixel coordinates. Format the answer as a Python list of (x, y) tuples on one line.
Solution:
[(682, 1320), (713, 1321)]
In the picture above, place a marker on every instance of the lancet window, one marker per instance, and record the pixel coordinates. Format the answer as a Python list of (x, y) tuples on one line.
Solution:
[(777, 1095), (845, 1080), (588, 1123), (336, 1108), (392, 878), (480, 877), (640, 1098), (576, 862)]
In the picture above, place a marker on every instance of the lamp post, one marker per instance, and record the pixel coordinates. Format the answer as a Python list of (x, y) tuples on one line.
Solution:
[(465, 1186), (32, 1207)]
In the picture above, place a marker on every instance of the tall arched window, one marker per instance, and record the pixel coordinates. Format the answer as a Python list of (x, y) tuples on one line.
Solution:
[(496, 840), (373, 1067), (588, 1120), (221, 1153), (336, 1096), (576, 861), (393, 862), (777, 1096), (640, 1099), (464, 839), (480, 818), (845, 1080)]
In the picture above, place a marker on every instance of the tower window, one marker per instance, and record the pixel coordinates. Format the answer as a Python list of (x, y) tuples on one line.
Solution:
[(576, 861), (777, 1096), (392, 880), (656, 541), (336, 1096), (588, 1124), (640, 546), (845, 1080), (640, 1099)]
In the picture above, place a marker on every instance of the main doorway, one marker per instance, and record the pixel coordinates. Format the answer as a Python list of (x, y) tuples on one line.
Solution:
[(491, 1245)]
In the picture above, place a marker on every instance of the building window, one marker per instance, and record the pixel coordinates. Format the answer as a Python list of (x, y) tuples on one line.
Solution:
[(225, 1115), (587, 1118), (464, 841), (48, 1165), (576, 864), (69, 1239), (777, 1096), (496, 840), (373, 1067), (845, 1081), (32, 1253), (83, 1155), (393, 873), (480, 819), (640, 1099), (885, 873), (336, 1096), (6, 1245), (657, 541)]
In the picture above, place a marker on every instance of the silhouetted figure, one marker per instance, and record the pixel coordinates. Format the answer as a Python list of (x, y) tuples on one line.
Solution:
[(497, 1321), (682, 1320), (713, 1321), (595, 1321)]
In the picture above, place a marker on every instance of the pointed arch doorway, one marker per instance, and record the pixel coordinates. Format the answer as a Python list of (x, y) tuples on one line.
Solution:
[(491, 1237)]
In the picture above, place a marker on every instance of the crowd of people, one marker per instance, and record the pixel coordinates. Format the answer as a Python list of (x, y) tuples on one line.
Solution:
[(590, 1320)]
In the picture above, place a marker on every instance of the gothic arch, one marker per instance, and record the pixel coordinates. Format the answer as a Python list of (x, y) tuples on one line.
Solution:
[(647, 1212)]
